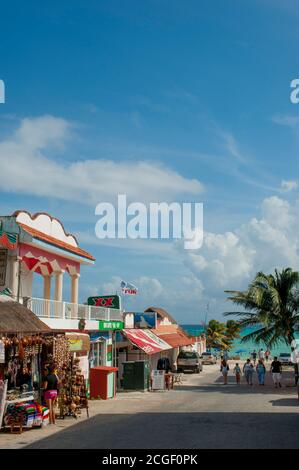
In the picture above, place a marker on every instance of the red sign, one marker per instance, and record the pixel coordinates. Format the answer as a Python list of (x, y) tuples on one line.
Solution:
[(146, 340)]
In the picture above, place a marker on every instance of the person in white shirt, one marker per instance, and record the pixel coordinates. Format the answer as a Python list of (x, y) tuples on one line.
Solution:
[(248, 371), (261, 354)]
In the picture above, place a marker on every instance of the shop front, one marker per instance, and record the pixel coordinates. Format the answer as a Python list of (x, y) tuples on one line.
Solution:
[(22, 340), (103, 359), (142, 346), (176, 338)]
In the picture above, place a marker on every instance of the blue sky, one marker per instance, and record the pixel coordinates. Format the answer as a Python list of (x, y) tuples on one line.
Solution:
[(197, 91)]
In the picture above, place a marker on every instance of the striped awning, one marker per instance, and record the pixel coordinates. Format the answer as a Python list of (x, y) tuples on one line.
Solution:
[(8, 240)]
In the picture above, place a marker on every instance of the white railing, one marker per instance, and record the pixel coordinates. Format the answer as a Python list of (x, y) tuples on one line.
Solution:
[(44, 308)]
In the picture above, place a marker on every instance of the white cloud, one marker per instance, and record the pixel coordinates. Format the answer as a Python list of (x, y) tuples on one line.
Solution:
[(289, 185), (286, 120), (230, 260), (27, 169)]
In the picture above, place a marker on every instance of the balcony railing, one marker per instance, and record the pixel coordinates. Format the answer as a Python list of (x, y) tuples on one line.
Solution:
[(44, 308)]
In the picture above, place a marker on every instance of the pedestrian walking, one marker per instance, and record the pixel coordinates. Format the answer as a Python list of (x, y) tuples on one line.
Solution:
[(262, 354), (237, 372), (253, 356), (276, 370), (267, 355), (248, 371), (261, 372), (224, 368)]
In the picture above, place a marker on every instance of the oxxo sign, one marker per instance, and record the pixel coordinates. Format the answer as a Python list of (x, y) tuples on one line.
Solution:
[(111, 325)]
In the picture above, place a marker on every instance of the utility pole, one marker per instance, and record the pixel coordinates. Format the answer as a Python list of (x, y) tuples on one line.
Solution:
[(206, 317)]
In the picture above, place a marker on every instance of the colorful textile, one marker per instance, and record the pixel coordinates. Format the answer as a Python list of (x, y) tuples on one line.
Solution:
[(29, 414)]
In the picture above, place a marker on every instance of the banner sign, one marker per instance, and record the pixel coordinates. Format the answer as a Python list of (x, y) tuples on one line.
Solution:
[(158, 379), (128, 289), (111, 325), (3, 264), (108, 301), (145, 320), (146, 340)]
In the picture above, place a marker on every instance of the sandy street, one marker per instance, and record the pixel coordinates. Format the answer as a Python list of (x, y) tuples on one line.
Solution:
[(200, 413)]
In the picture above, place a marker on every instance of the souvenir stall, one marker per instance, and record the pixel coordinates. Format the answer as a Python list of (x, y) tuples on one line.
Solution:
[(74, 380), (69, 353), (21, 341)]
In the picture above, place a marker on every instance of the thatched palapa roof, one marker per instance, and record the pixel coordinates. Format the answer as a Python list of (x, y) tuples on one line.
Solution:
[(15, 318)]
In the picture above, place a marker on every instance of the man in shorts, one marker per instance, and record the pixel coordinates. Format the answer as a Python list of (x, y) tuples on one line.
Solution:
[(276, 370)]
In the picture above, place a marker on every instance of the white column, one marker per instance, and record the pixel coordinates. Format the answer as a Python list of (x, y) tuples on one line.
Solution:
[(58, 285), (47, 294), (75, 288), (47, 287)]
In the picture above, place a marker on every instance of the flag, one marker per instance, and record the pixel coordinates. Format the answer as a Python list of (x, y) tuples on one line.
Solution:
[(128, 289)]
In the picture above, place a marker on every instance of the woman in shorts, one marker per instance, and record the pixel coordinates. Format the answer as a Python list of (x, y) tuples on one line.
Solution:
[(51, 392), (224, 368)]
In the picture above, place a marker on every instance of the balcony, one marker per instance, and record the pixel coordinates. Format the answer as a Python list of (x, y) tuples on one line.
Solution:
[(53, 309)]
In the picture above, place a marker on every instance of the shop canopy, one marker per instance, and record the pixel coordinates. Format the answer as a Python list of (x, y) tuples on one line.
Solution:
[(146, 340), (173, 335), (15, 318)]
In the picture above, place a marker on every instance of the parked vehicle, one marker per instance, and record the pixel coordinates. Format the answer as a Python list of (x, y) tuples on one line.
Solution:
[(189, 360), (285, 358), (208, 358)]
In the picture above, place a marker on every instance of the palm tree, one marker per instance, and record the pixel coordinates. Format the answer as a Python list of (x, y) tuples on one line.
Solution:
[(232, 331), (216, 335), (271, 304)]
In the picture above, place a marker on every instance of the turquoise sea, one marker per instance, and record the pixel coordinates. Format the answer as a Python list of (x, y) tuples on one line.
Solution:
[(246, 347)]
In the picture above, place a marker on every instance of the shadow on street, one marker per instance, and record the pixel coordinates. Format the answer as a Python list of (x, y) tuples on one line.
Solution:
[(204, 430), (285, 402)]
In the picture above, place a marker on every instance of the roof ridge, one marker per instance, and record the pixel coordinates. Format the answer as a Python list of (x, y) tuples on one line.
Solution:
[(45, 237)]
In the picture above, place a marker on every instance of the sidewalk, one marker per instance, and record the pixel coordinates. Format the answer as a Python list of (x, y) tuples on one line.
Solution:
[(124, 401)]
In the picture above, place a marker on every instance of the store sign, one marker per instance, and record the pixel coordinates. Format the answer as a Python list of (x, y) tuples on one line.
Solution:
[(158, 379), (75, 344), (145, 320), (111, 325), (2, 353), (3, 264), (107, 301)]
